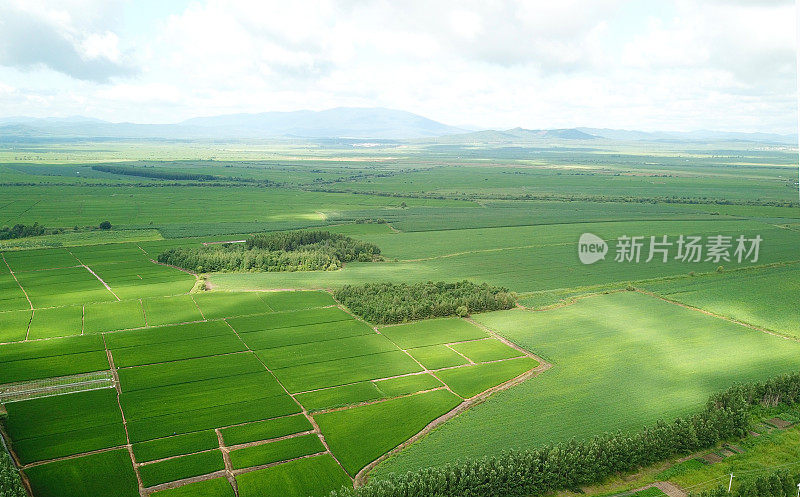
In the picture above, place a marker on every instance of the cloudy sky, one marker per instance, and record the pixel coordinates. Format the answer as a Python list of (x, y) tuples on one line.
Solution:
[(651, 65)]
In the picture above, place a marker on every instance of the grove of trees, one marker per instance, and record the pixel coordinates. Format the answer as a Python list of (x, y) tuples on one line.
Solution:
[(384, 303), (286, 251)]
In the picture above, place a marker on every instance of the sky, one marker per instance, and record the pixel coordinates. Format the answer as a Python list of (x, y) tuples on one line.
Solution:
[(671, 65)]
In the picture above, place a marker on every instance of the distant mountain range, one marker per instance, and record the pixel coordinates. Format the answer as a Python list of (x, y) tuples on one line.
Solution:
[(339, 123)]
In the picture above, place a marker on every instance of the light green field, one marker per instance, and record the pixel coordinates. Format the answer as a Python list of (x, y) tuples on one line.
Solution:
[(620, 361), (764, 297)]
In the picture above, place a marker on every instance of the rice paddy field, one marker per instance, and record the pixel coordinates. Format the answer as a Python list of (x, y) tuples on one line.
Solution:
[(120, 376)]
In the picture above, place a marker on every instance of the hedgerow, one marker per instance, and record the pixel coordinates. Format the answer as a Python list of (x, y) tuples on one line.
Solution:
[(573, 464), (290, 251), (385, 303), (10, 483), (778, 484)]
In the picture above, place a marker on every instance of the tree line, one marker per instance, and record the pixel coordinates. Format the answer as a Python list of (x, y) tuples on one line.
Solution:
[(10, 483), (285, 251), (777, 484), (145, 172), (573, 464), (384, 303)]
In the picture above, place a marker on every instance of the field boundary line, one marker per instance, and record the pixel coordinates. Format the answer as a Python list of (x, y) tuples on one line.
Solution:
[(469, 361), (302, 407), (72, 456), (226, 459), (128, 445), (198, 307), (362, 476), (375, 328), (15, 279), (718, 316)]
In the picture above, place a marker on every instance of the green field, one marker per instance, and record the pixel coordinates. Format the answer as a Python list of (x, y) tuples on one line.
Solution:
[(620, 361), (300, 395)]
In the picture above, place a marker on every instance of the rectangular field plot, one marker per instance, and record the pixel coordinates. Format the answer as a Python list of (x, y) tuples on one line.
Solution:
[(188, 371), (57, 365), (217, 305), (388, 424), (171, 310), (404, 385), (215, 487), (59, 287), (14, 325), (112, 316), (305, 334), (292, 301), (212, 417), (177, 350), (265, 430), (56, 322), (177, 445), (309, 477), (486, 350), (110, 252), (437, 356), (32, 260), (181, 467), (327, 350), (106, 473), (339, 396), (50, 348), (143, 278), (175, 399), (288, 319), (12, 297), (279, 450), (62, 425), (471, 380), (351, 370), (432, 332), (167, 334)]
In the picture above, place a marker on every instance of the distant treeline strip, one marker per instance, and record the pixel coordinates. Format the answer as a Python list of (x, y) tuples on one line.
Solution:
[(385, 303), (159, 173), (567, 198), (573, 464)]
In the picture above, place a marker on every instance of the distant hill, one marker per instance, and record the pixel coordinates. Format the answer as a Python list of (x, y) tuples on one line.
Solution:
[(694, 136), (342, 122), (358, 123), (517, 135)]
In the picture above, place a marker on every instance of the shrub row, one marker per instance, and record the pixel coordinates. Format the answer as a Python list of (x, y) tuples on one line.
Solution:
[(291, 251), (574, 464), (384, 303), (778, 484), (10, 483)]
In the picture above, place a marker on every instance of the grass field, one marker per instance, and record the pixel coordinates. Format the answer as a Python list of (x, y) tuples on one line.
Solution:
[(764, 297), (256, 372), (620, 361)]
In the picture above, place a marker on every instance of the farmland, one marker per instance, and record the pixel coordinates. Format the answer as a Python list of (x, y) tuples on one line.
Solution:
[(120, 372)]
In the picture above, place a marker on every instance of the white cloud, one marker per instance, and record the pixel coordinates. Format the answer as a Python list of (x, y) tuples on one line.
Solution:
[(499, 63)]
